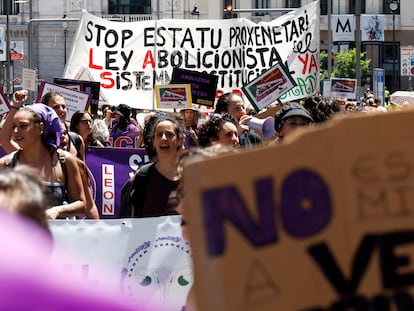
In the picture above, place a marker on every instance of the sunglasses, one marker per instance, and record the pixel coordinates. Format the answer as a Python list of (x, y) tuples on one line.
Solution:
[(86, 122)]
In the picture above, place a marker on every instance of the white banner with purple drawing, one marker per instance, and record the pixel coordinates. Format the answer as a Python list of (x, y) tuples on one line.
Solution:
[(144, 257)]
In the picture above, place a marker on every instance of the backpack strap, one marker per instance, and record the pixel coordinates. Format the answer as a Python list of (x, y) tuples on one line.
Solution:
[(62, 160), (12, 161), (139, 188), (75, 139)]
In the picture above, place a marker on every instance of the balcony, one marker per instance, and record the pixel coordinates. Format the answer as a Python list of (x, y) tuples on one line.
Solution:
[(13, 19), (127, 17), (387, 21)]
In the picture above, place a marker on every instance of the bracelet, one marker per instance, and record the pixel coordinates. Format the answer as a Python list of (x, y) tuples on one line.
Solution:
[(12, 107)]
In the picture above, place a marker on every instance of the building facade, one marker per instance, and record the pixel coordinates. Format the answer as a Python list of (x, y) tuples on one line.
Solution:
[(46, 28)]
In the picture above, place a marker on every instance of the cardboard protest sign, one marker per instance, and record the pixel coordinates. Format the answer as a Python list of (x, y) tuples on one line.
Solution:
[(173, 96), (343, 88), (269, 86), (322, 222), (129, 59), (89, 87), (203, 85), (75, 100)]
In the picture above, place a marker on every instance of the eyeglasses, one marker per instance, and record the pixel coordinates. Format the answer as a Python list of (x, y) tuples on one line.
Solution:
[(86, 122)]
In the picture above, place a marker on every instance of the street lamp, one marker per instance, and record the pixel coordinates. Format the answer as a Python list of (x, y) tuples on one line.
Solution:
[(65, 34), (228, 11), (8, 76), (394, 7)]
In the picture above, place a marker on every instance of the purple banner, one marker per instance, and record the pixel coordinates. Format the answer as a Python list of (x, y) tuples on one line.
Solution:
[(110, 168)]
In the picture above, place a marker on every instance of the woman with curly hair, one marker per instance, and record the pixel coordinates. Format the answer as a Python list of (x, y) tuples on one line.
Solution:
[(220, 129), (154, 193)]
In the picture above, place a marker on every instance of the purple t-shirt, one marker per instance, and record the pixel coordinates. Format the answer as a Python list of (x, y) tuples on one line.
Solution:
[(130, 131)]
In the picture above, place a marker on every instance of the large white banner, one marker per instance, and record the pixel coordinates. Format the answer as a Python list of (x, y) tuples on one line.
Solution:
[(128, 59), (146, 257)]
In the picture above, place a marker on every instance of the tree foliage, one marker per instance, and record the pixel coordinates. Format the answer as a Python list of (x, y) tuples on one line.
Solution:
[(345, 65)]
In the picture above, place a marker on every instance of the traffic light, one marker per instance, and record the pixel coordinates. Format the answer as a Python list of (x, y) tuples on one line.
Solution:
[(228, 11)]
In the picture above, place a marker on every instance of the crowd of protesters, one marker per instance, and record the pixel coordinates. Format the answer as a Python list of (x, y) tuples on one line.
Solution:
[(46, 151), (57, 147)]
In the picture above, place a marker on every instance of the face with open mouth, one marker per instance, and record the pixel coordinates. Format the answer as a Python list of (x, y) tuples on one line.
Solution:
[(165, 138)]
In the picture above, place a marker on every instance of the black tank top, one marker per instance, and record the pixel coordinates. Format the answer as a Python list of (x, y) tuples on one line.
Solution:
[(56, 193)]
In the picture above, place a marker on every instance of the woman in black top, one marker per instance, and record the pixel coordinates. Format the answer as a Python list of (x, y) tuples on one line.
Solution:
[(163, 138)]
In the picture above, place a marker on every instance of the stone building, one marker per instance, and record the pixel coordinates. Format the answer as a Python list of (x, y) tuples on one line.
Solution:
[(46, 28)]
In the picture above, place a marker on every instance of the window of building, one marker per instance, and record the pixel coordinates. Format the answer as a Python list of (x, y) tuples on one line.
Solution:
[(293, 4), (386, 7), (353, 3), (129, 7), (262, 4), (13, 7), (390, 54), (324, 7), (227, 3)]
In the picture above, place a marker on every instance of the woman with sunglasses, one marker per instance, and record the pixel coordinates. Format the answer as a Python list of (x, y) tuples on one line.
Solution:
[(82, 124)]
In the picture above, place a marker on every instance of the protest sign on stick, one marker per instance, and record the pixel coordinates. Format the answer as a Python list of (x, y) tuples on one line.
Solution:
[(173, 96), (203, 85), (75, 100)]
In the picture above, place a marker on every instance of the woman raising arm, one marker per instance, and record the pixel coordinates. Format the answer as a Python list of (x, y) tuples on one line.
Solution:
[(37, 130)]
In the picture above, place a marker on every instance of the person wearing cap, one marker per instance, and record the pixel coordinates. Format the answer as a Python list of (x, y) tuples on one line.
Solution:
[(123, 126), (37, 130), (233, 104), (291, 116), (191, 116)]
